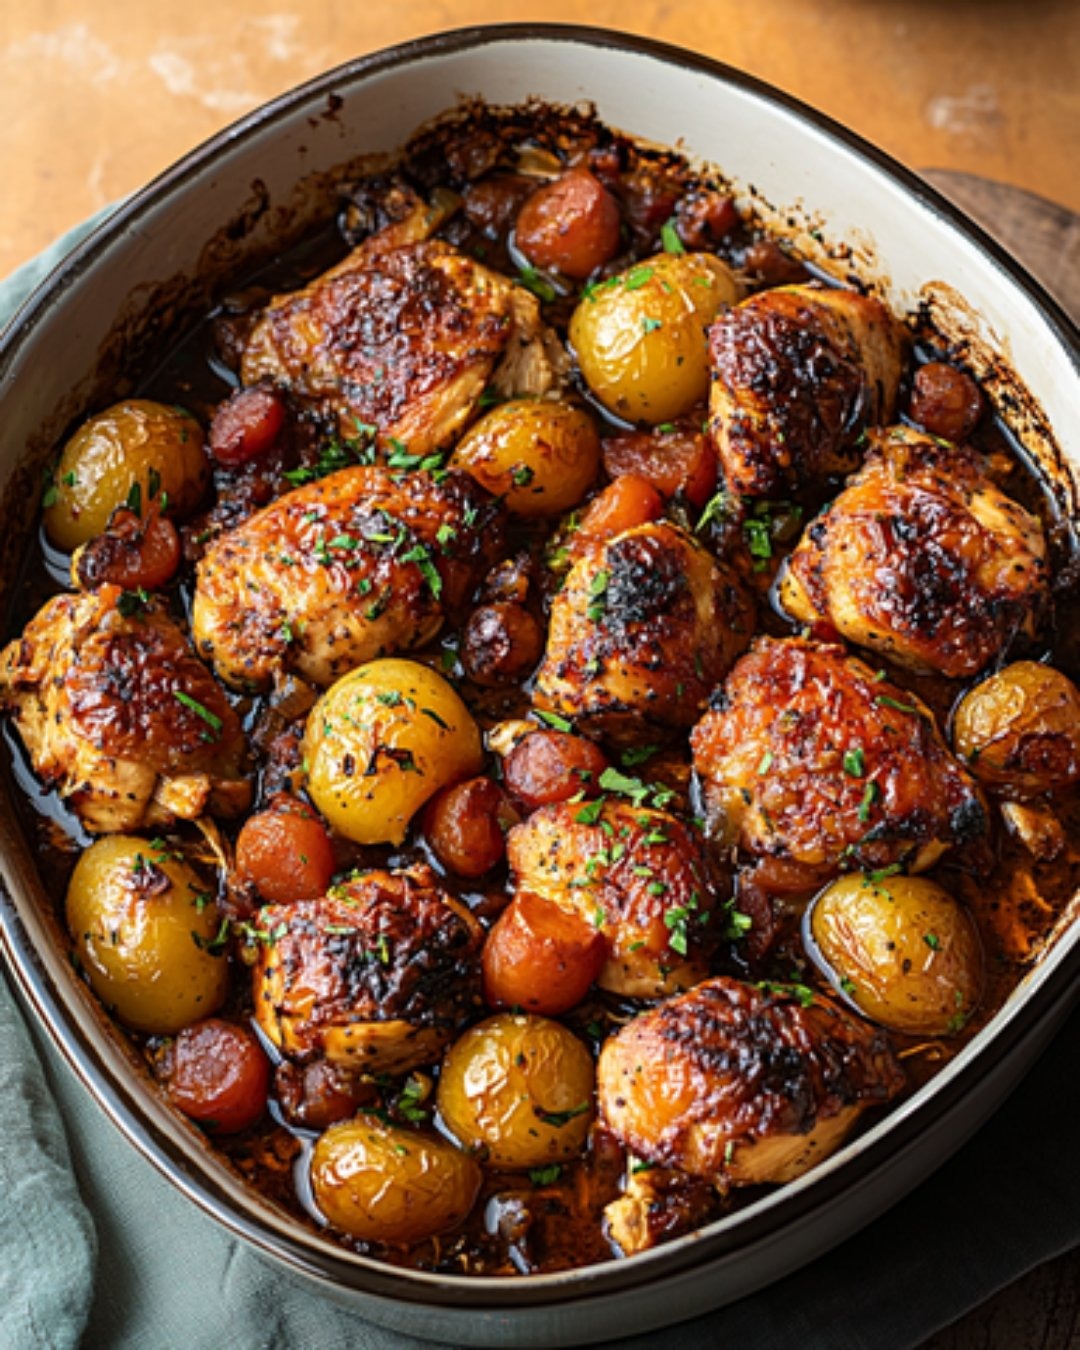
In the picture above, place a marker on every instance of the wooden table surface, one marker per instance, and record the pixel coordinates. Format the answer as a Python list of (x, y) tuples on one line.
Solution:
[(97, 99)]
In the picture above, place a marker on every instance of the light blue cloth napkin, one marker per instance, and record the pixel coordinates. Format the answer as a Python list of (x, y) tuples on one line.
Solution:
[(97, 1249)]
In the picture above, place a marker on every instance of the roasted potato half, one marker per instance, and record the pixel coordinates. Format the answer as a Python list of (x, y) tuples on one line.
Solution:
[(152, 445), (640, 336), (540, 456), (147, 933), (520, 1088), (383, 1183), (382, 741), (1019, 731), (904, 952)]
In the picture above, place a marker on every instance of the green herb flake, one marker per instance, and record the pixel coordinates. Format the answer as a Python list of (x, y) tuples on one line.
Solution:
[(561, 1118), (534, 281), (638, 277), (545, 1176), (855, 762), (211, 719), (870, 795), (669, 237), (553, 720), (886, 702), (589, 814)]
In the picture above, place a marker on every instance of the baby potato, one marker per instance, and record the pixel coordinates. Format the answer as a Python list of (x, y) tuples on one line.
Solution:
[(131, 442), (640, 337), (383, 1183), (1020, 730), (540, 456), (146, 935), (520, 1088), (380, 742), (902, 949)]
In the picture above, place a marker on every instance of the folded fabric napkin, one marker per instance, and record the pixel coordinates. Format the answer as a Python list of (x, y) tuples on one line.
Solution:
[(97, 1249)]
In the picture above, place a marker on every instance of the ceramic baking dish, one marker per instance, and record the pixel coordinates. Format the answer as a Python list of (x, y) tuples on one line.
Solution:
[(128, 292)]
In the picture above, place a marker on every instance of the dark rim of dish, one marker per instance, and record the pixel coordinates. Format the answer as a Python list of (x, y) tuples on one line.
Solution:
[(1053, 983)]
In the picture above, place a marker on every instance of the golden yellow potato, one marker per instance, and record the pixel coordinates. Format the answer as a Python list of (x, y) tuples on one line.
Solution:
[(1020, 729), (540, 456), (520, 1087), (147, 933), (382, 1183), (380, 742), (902, 950), (132, 442), (640, 337)]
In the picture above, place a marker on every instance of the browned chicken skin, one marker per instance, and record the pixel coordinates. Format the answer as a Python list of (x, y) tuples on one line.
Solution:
[(361, 564), (644, 627), (118, 714), (637, 875), (742, 1084), (798, 373), (922, 559), (404, 335), (810, 760), (377, 976)]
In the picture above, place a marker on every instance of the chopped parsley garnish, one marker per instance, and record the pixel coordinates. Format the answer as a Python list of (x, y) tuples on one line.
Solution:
[(215, 945), (544, 1176), (212, 720), (802, 992), (598, 594), (589, 814), (886, 702), (855, 762), (870, 795), (534, 281), (638, 277), (134, 602), (553, 720), (669, 237), (561, 1118), (638, 754), (719, 507)]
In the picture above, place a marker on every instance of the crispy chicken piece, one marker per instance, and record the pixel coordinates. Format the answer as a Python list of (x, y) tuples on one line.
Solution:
[(812, 763), (120, 717), (361, 564), (799, 373), (405, 334), (377, 976), (922, 559), (742, 1084), (636, 874), (644, 627)]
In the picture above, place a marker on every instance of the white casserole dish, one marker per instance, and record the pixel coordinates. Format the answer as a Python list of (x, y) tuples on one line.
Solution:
[(155, 265)]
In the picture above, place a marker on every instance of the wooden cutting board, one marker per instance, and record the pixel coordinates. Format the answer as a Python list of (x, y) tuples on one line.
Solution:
[(1045, 237)]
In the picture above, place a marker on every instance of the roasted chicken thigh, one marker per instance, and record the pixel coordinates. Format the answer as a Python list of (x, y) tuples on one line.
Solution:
[(798, 374), (742, 1084), (377, 976), (404, 335), (812, 764), (635, 874), (119, 715), (922, 559), (362, 564), (644, 627)]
